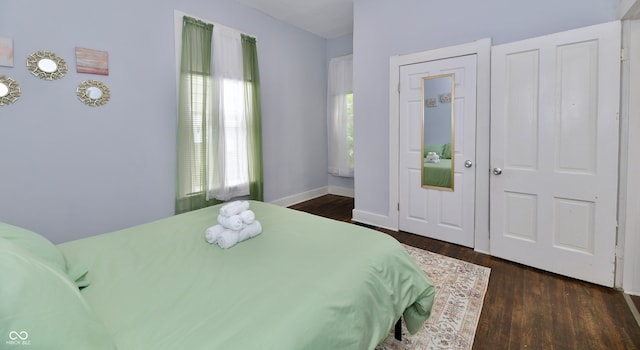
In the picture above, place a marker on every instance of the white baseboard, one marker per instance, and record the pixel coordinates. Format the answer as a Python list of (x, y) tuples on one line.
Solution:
[(318, 192), (633, 308), (301, 197), (634, 293), (482, 251), (372, 219), (342, 191)]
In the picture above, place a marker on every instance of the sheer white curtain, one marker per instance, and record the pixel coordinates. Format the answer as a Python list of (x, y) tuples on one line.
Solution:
[(228, 175), (340, 116)]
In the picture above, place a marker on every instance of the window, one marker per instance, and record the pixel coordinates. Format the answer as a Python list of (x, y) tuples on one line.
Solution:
[(235, 135), (219, 144), (340, 116), (349, 107), (197, 92)]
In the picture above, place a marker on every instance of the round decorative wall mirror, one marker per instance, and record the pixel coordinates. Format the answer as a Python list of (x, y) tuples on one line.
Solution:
[(93, 93), (46, 65), (9, 90)]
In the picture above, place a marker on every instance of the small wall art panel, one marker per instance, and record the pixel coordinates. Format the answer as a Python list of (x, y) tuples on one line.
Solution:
[(92, 61), (6, 52)]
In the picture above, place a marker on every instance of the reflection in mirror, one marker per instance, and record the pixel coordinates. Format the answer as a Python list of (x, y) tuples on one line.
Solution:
[(46, 65), (93, 93), (9, 90), (437, 132)]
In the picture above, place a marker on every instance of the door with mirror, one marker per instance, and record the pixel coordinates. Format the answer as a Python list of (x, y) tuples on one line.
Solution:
[(437, 149), (438, 120)]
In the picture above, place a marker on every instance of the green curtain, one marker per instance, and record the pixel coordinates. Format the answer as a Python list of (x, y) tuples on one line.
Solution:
[(254, 117), (195, 73)]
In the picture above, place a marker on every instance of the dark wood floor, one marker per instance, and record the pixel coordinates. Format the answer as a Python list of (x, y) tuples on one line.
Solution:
[(525, 308)]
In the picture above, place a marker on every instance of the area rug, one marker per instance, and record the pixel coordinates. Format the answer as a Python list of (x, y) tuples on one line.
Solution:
[(460, 289)]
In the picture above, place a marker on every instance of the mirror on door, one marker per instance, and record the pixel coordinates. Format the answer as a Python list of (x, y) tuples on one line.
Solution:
[(437, 132)]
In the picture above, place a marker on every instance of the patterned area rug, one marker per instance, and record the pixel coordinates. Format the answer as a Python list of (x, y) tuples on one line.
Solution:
[(460, 289)]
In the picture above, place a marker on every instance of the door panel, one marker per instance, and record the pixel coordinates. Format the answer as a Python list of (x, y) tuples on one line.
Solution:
[(554, 134), (442, 215)]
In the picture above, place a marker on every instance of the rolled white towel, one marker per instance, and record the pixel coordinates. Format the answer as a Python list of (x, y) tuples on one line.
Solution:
[(233, 222), (250, 231), (248, 216), (228, 238), (234, 208), (213, 232)]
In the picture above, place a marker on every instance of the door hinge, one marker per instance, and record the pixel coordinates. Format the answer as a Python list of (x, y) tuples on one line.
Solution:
[(619, 251), (398, 87), (623, 54), (398, 206)]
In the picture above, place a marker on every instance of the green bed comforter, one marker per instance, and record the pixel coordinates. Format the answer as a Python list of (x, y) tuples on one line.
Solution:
[(305, 282), (437, 174)]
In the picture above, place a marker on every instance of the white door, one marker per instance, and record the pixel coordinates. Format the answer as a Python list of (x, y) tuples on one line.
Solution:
[(554, 151), (443, 215)]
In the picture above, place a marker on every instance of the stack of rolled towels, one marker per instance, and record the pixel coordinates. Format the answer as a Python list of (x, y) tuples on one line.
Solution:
[(236, 223)]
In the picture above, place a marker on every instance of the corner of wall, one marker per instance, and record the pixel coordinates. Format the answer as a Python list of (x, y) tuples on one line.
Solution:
[(373, 219)]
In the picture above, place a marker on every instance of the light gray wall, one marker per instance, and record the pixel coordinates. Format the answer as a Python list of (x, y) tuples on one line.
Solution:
[(68, 170), (386, 28), (337, 47)]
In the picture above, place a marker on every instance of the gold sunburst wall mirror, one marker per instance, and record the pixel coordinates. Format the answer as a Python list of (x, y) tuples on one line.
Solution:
[(47, 65), (9, 90), (93, 93)]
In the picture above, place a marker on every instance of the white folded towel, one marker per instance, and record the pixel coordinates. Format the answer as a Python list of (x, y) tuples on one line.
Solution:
[(228, 239), (250, 231), (433, 157), (248, 216), (234, 208), (236, 223), (233, 222), (213, 233)]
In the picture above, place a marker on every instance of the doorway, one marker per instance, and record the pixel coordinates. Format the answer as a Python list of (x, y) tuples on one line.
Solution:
[(438, 148), (481, 49), (554, 151)]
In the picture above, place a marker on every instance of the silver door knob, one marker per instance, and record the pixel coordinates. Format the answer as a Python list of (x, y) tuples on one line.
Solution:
[(468, 164), (497, 171)]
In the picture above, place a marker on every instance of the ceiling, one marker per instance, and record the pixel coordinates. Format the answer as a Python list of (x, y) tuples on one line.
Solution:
[(333, 18), (326, 18)]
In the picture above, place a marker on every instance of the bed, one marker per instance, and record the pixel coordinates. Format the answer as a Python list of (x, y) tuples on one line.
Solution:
[(305, 282), (437, 174)]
